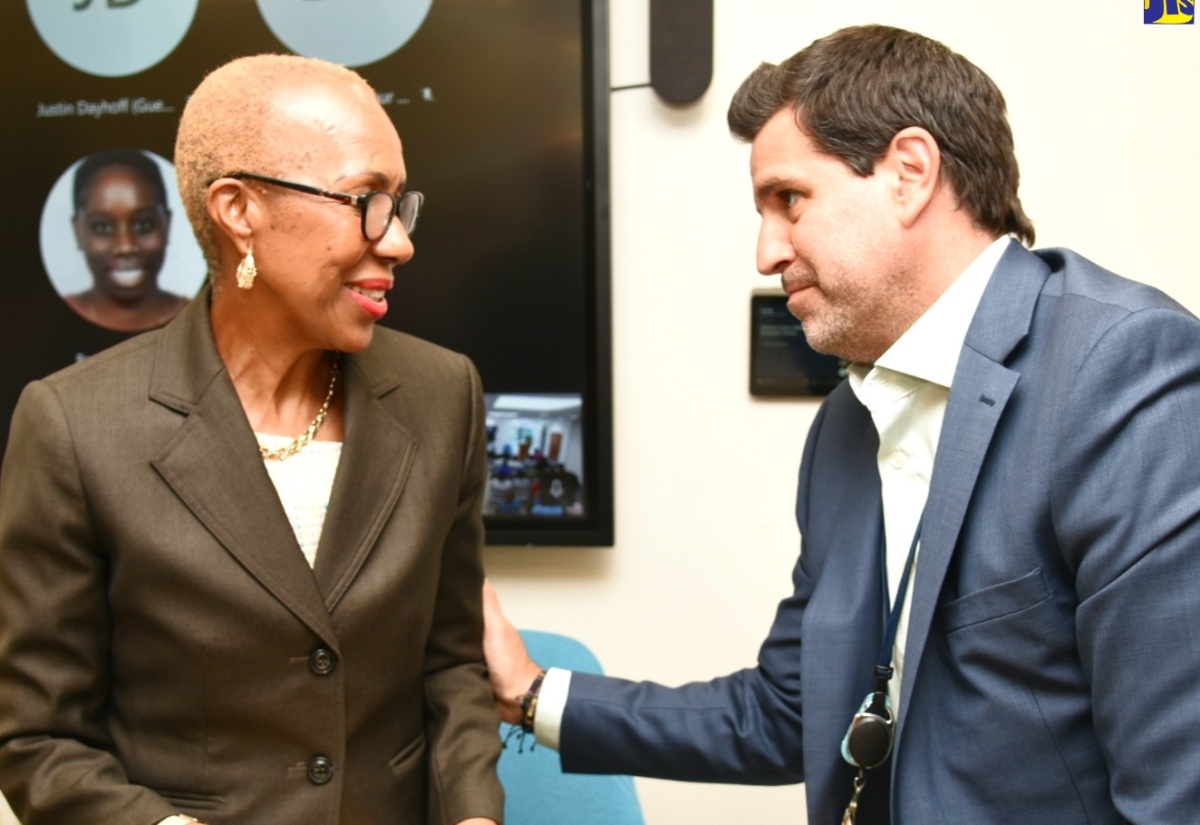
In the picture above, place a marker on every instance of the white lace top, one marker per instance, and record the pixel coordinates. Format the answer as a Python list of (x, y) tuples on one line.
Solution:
[(304, 482)]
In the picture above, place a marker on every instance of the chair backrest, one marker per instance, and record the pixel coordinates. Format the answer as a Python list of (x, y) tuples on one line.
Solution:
[(536, 789)]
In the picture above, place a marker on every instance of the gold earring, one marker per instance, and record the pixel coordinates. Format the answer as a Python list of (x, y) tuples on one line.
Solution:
[(247, 271)]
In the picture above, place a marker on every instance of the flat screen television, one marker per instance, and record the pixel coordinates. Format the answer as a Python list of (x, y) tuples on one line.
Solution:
[(502, 107)]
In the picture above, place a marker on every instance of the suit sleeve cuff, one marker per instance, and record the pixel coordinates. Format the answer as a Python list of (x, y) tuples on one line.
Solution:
[(552, 702)]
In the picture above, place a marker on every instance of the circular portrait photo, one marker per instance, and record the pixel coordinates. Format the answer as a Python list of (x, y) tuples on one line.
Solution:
[(112, 38), (353, 34), (115, 241)]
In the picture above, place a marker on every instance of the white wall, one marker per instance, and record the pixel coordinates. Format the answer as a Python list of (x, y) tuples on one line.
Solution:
[(1106, 125)]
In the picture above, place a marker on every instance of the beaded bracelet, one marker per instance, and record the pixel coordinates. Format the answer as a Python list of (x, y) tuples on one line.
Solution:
[(529, 703)]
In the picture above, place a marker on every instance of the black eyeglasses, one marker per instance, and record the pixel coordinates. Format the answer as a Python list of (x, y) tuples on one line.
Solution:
[(377, 208)]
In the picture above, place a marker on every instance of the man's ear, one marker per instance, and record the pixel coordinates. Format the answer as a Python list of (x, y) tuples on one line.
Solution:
[(915, 160), (233, 210)]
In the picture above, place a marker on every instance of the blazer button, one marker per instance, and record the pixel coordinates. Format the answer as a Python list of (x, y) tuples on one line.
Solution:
[(320, 770), (322, 661)]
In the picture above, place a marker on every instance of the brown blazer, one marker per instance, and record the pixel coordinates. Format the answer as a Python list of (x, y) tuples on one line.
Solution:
[(164, 646)]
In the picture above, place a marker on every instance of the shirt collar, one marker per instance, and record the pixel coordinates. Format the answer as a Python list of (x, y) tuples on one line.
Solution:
[(929, 349)]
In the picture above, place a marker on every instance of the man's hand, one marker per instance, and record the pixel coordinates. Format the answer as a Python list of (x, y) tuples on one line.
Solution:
[(510, 669), (478, 820)]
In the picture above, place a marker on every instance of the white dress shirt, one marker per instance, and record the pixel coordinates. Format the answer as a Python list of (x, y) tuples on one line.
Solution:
[(906, 392)]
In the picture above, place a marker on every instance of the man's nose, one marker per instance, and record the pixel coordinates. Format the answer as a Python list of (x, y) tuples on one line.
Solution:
[(775, 249)]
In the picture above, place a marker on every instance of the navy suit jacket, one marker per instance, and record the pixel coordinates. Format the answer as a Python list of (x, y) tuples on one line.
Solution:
[(1052, 670)]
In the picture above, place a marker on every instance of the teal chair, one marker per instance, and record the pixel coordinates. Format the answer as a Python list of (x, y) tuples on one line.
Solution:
[(537, 792)]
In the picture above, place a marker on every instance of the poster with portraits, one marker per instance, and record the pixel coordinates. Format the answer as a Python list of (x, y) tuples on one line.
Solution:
[(497, 108)]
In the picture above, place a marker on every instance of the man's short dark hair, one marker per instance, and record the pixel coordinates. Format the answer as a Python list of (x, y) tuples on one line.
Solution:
[(855, 89)]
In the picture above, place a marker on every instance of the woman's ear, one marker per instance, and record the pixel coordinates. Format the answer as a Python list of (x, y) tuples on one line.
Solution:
[(233, 211), (915, 159)]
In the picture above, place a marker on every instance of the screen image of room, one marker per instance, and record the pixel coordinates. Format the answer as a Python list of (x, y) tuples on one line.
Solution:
[(535, 455)]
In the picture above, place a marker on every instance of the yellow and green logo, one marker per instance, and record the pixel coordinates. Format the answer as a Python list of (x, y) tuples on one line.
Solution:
[(1170, 12)]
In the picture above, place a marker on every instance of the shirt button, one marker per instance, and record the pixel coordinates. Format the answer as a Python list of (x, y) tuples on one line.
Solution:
[(320, 770), (322, 661), (897, 459)]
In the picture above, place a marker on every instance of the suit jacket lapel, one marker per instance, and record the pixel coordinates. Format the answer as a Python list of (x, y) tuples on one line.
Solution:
[(843, 624), (377, 457), (213, 465), (981, 389)]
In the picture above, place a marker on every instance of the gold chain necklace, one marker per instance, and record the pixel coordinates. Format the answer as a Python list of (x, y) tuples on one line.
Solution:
[(301, 441)]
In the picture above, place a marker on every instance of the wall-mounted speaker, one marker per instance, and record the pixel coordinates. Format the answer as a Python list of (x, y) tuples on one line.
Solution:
[(681, 49)]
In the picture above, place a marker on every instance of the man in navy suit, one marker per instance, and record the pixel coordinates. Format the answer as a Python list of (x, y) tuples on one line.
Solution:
[(999, 579)]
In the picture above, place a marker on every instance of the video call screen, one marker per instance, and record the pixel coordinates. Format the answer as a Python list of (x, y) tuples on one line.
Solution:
[(503, 129)]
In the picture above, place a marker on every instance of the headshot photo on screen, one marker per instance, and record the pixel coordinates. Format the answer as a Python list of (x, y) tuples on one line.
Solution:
[(110, 247), (109, 38), (353, 34)]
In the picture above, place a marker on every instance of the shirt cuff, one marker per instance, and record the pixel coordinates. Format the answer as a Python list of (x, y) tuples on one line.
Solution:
[(552, 702)]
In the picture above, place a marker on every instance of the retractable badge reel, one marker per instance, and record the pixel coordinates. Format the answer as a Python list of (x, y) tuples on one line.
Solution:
[(867, 743)]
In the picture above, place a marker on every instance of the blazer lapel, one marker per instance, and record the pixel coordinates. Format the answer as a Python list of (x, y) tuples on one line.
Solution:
[(981, 389), (213, 465), (377, 458), (843, 625)]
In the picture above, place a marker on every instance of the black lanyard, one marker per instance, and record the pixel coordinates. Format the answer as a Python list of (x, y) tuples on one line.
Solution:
[(868, 740), (883, 671)]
